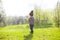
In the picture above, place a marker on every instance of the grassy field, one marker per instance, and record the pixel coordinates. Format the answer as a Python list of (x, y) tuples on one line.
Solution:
[(22, 32)]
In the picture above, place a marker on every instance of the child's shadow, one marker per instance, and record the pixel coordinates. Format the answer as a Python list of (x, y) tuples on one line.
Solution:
[(28, 37)]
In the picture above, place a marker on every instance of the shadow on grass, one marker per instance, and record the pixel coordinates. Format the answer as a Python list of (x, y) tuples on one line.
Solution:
[(28, 37)]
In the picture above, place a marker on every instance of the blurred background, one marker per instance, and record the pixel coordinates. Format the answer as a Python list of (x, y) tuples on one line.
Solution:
[(46, 12)]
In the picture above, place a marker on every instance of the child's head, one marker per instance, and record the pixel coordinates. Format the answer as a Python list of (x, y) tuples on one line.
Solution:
[(31, 13)]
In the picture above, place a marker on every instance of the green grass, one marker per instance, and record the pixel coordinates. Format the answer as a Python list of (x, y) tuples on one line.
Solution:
[(22, 32)]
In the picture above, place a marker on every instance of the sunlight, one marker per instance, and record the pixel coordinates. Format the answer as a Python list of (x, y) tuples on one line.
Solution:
[(23, 7)]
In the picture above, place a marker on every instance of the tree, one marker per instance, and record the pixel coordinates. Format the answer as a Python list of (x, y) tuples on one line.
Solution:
[(42, 18), (57, 14), (37, 14), (2, 15)]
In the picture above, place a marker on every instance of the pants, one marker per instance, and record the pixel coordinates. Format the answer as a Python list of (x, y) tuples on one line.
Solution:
[(31, 28)]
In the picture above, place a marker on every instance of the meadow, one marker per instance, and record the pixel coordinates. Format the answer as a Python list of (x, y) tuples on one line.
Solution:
[(22, 32)]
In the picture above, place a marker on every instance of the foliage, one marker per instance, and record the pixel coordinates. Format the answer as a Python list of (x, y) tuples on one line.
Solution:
[(43, 17)]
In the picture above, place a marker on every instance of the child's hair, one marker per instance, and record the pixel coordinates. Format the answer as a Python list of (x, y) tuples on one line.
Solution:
[(31, 13)]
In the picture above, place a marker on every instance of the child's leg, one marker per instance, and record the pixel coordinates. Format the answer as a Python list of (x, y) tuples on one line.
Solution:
[(31, 28)]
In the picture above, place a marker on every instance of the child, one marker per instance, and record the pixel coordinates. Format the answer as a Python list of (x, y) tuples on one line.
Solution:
[(31, 21)]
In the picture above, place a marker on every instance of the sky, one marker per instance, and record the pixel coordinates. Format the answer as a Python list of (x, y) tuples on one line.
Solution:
[(23, 7)]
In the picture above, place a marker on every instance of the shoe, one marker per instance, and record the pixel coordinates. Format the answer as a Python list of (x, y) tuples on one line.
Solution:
[(31, 32)]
